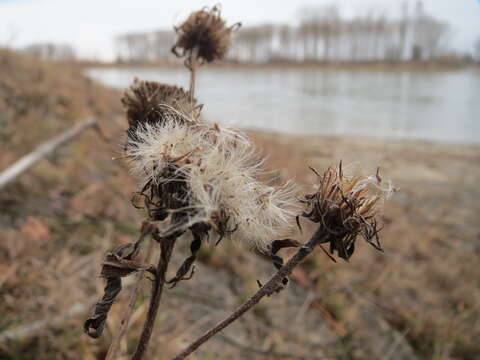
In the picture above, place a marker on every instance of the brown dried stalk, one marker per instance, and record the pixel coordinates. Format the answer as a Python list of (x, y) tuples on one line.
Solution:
[(166, 248), (112, 351), (160, 197), (193, 70), (272, 286)]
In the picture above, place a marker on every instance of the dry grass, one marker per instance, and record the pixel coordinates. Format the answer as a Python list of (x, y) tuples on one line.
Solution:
[(58, 216), (421, 296), (425, 285)]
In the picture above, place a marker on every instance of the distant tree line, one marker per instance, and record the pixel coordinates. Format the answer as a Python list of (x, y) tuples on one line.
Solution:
[(51, 52), (145, 47), (322, 35)]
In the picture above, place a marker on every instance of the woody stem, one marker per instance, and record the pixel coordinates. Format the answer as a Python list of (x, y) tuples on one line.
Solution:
[(268, 289), (166, 248), (193, 71)]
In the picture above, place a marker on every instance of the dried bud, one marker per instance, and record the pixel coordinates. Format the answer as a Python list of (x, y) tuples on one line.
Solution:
[(148, 102), (206, 33), (346, 207)]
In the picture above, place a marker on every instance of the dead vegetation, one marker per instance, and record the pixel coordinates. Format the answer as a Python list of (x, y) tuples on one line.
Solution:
[(424, 286), (204, 33), (419, 299)]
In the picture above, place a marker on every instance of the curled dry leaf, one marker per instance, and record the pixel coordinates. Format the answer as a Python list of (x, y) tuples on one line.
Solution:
[(117, 264)]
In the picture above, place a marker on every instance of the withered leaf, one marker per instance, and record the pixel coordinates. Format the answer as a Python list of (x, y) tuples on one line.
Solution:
[(114, 266)]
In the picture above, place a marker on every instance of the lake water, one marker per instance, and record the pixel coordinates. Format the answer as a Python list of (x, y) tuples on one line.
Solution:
[(437, 106)]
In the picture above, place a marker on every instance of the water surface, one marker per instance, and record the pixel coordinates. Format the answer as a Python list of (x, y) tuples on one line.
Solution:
[(437, 106)]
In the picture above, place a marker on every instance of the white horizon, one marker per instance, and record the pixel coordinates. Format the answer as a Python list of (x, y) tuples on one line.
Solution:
[(91, 26)]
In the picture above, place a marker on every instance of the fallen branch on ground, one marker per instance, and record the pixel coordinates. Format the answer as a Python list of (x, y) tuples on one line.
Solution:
[(27, 161)]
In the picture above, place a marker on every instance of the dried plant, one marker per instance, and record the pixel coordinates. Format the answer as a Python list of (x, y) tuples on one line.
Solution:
[(117, 264), (197, 177), (204, 34), (203, 38), (202, 178), (148, 102), (219, 170), (344, 207)]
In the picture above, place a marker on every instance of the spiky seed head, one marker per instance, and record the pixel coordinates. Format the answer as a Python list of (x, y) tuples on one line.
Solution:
[(148, 102), (347, 207), (205, 32)]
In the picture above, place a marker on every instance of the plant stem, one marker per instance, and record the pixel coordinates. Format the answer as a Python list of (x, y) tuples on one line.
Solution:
[(193, 71), (272, 286), (112, 351), (166, 247)]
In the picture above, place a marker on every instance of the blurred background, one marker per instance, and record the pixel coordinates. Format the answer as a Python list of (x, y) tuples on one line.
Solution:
[(392, 83)]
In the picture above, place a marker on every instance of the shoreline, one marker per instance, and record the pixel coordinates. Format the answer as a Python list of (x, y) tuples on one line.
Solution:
[(400, 157), (367, 139), (361, 66)]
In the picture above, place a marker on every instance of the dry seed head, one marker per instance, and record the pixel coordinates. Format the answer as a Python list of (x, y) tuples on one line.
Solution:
[(155, 146), (205, 32), (220, 170), (226, 189), (148, 102), (348, 207)]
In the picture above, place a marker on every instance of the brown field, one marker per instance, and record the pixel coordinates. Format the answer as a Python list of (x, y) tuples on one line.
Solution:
[(420, 299)]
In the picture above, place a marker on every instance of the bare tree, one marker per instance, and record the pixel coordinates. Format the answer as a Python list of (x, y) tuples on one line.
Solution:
[(402, 31), (320, 24), (286, 39), (329, 21), (429, 33), (249, 40), (435, 34), (304, 35), (161, 45), (477, 50), (265, 37), (353, 29)]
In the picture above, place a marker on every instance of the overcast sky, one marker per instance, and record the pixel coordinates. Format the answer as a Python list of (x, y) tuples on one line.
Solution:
[(90, 25)]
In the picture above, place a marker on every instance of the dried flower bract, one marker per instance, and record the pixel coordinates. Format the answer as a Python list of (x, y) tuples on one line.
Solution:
[(148, 102), (347, 207), (204, 34)]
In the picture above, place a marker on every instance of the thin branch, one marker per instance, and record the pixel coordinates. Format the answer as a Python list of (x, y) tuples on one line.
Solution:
[(166, 246), (112, 351), (272, 286), (193, 70)]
